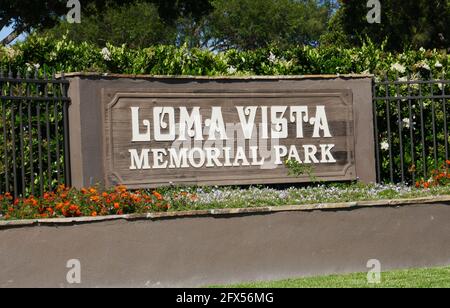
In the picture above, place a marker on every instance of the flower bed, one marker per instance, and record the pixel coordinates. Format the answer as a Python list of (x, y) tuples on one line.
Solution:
[(439, 177), (70, 202)]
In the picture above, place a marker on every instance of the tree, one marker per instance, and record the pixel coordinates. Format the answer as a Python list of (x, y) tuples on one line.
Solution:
[(24, 15), (188, 17), (419, 23), (136, 25), (250, 24)]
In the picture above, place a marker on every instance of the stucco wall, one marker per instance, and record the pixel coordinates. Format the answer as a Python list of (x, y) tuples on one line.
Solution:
[(198, 251)]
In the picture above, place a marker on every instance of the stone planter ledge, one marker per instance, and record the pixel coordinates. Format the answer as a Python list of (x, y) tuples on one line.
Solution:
[(226, 212)]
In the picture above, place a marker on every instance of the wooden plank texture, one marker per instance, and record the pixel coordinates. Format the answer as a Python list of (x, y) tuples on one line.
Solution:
[(118, 135)]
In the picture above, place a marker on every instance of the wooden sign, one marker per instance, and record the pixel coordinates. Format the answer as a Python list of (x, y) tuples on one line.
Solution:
[(150, 131), (220, 136)]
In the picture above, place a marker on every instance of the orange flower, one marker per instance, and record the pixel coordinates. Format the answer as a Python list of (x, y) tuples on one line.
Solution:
[(105, 195), (157, 195), (426, 185), (116, 206), (8, 196), (94, 214), (32, 201), (417, 184), (448, 162), (95, 198), (84, 191), (121, 188), (92, 190)]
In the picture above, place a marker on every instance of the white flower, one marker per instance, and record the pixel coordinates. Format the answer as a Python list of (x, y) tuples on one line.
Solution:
[(32, 67), (422, 49), (424, 65), (406, 123), (398, 67), (106, 54), (384, 145), (231, 70), (438, 65), (272, 58)]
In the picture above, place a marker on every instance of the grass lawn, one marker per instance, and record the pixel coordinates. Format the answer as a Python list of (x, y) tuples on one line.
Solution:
[(414, 278)]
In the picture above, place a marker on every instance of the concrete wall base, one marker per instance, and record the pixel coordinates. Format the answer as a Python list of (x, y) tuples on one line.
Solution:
[(198, 251)]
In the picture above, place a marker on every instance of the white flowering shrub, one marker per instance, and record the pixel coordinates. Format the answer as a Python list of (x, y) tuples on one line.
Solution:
[(45, 54)]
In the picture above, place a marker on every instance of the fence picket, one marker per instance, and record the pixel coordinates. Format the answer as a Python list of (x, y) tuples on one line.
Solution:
[(33, 132)]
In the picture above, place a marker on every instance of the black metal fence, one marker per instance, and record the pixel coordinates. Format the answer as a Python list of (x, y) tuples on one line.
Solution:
[(411, 127), (34, 141)]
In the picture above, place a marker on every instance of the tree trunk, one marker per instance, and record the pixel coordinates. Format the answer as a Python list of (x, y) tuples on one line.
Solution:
[(12, 36)]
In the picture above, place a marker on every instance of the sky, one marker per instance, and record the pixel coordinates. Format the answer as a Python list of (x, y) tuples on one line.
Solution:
[(7, 30)]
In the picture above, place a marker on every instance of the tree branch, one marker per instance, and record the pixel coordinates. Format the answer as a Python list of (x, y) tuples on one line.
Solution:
[(3, 22), (13, 35)]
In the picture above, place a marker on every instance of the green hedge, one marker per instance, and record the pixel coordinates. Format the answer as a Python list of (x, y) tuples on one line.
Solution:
[(65, 55)]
